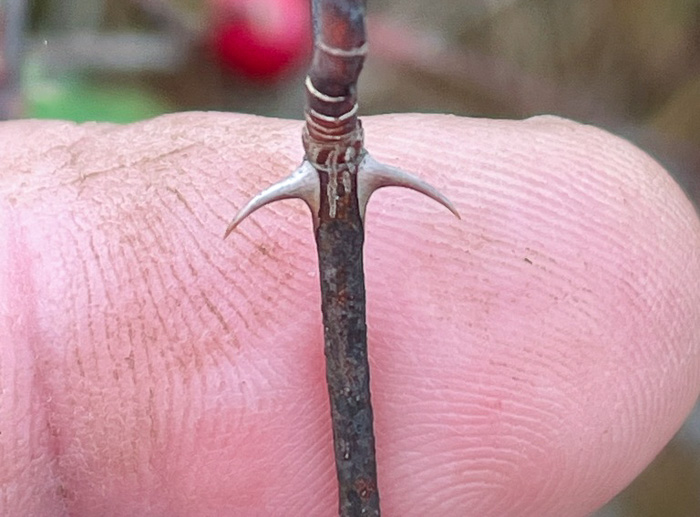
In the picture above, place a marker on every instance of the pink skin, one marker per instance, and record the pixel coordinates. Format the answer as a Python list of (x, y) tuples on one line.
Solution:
[(528, 360)]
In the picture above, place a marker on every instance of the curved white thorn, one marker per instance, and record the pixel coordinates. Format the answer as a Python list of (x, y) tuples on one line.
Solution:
[(373, 175), (303, 184)]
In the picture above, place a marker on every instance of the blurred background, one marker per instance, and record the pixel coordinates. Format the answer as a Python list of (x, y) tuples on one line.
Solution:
[(632, 67)]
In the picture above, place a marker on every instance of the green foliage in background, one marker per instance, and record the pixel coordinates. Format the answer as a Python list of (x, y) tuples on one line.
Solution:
[(81, 100)]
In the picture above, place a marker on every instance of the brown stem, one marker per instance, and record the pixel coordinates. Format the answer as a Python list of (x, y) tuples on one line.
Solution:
[(334, 146), (339, 242)]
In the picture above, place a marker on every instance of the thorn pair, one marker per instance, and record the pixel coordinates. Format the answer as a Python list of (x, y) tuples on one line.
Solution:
[(304, 184)]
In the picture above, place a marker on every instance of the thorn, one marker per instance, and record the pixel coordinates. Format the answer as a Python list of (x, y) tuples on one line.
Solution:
[(302, 184), (373, 175)]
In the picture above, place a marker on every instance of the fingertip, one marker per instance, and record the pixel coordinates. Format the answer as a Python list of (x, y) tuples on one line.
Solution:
[(563, 316)]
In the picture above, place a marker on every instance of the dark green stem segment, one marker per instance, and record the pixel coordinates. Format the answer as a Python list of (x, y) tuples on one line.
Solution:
[(339, 242)]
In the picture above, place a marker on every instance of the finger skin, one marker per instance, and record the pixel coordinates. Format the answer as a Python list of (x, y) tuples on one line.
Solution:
[(528, 360)]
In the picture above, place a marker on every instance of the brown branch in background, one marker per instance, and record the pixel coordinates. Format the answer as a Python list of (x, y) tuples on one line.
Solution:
[(488, 76), (171, 17)]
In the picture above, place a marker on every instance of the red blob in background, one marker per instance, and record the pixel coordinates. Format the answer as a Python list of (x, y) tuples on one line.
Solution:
[(261, 39)]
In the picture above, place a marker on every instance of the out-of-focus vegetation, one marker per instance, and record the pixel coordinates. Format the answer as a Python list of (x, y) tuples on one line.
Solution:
[(631, 67)]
